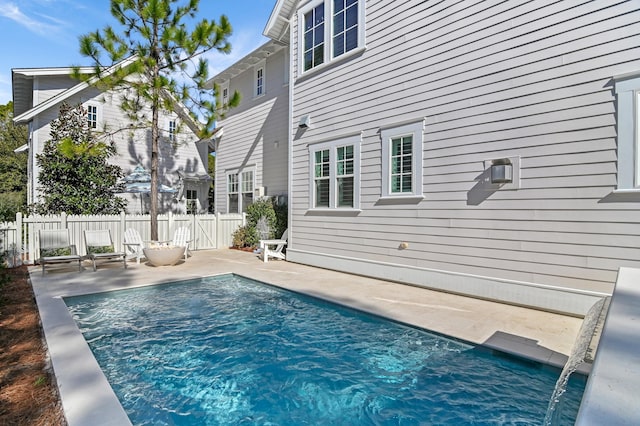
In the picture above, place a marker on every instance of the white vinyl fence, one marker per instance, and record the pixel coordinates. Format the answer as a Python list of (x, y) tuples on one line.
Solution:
[(208, 231)]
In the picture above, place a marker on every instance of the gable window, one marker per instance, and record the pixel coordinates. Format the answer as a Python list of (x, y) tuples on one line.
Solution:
[(240, 188), (172, 130), (330, 29), (628, 129), (259, 79), (92, 116), (402, 161), (335, 174), (223, 94)]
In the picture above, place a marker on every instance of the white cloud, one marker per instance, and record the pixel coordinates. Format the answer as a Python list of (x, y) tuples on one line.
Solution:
[(5, 89), (12, 11)]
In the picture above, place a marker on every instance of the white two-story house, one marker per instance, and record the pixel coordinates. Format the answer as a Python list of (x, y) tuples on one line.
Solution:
[(37, 96), (482, 148), (251, 141)]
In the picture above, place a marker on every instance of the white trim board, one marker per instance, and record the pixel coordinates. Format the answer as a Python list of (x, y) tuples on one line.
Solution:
[(549, 298)]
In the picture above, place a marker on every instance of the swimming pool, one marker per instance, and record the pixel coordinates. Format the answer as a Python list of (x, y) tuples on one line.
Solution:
[(228, 350)]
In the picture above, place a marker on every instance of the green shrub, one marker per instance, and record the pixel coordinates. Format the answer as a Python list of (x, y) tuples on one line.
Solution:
[(275, 215), (10, 204), (262, 209), (282, 218), (245, 236)]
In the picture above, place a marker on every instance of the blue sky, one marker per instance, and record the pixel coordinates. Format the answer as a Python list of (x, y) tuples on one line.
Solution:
[(44, 33)]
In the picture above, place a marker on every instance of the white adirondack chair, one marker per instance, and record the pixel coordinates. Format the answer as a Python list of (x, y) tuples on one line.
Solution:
[(182, 238), (276, 253), (133, 245)]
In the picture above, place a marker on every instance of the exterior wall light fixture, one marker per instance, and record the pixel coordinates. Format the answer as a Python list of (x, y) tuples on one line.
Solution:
[(305, 122), (501, 171)]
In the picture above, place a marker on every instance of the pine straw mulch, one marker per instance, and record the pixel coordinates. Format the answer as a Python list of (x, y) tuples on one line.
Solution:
[(28, 393)]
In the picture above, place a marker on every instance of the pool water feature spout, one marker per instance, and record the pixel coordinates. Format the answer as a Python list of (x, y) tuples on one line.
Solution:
[(583, 351)]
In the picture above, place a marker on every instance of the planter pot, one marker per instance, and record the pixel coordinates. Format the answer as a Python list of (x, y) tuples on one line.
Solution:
[(164, 255)]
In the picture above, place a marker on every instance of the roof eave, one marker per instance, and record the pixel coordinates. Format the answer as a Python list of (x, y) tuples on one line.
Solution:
[(277, 26), (248, 61), (28, 115)]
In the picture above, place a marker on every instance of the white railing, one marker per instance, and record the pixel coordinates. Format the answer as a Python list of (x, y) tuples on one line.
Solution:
[(208, 231)]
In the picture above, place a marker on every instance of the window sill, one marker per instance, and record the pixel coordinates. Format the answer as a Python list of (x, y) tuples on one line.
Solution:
[(302, 75), (333, 212), (627, 191), (399, 199)]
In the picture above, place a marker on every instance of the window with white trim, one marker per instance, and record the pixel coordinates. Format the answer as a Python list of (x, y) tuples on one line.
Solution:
[(232, 193), (345, 26), (240, 188), (247, 184), (92, 116), (328, 30), (627, 90), (259, 79), (402, 160), (335, 174), (321, 178)]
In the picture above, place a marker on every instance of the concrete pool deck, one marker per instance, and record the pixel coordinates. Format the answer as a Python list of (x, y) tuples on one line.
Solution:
[(88, 399)]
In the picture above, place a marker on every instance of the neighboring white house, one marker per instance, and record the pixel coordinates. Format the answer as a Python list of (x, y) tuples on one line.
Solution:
[(399, 110), (251, 140), (37, 96)]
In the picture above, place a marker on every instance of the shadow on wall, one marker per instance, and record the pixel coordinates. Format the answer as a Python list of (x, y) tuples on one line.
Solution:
[(138, 145), (482, 190)]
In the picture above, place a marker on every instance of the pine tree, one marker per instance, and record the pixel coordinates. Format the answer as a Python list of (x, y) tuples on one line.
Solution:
[(161, 49)]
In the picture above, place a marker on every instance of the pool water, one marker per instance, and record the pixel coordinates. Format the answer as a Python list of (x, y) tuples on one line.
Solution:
[(227, 350)]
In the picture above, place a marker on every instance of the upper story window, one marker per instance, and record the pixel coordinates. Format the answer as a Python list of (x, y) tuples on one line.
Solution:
[(259, 79), (172, 130), (329, 29), (402, 161), (628, 128), (314, 37), (223, 94), (92, 116), (335, 174), (345, 26)]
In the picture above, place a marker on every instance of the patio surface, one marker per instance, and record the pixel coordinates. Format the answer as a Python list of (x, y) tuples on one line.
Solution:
[(88, 399)]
